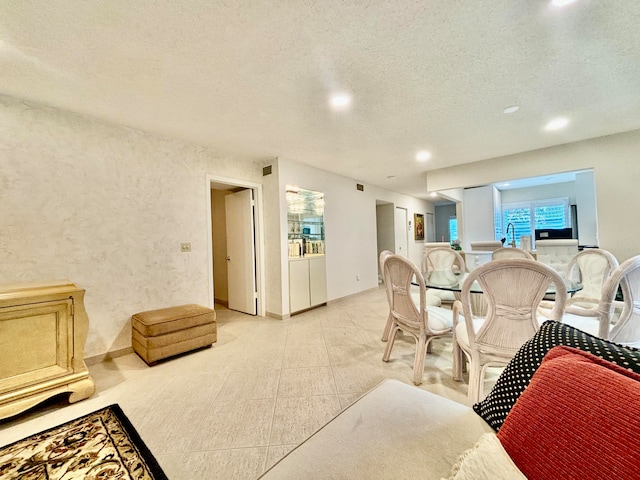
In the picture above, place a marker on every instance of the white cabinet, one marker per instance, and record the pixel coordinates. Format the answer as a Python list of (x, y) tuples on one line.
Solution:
[(317, 281), (299, 295), (307, 282), (43, 329)]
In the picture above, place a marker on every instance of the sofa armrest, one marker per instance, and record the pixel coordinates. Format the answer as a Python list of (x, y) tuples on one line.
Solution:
[(393, 431)]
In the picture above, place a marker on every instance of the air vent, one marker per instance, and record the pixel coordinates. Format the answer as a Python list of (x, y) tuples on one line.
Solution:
[(266, 170), (359, 187)]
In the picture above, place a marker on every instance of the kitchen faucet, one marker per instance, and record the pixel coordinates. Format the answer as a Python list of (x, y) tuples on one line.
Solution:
[(513, 234)]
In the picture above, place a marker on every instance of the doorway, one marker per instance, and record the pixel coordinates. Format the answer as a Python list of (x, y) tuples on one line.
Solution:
[(385, 229), (235, 208), (401, 234)]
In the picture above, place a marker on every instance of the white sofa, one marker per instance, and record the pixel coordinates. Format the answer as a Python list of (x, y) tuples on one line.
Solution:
[(393, 431)]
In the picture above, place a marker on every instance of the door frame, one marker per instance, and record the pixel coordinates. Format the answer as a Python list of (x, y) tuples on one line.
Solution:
[(259, 241)]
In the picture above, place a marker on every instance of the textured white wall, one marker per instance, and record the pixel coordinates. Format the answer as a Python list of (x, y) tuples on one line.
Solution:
[(106, 207)]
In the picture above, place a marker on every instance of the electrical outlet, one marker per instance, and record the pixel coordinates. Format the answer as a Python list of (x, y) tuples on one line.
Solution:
[(185, 247)]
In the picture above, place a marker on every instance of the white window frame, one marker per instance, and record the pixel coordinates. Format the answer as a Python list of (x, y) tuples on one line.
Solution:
[(532, 205)]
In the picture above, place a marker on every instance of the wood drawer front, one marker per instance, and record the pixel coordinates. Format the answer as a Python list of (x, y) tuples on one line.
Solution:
[(36, 342)]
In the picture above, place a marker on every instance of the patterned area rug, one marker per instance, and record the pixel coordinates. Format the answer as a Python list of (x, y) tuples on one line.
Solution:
[(100, 445)]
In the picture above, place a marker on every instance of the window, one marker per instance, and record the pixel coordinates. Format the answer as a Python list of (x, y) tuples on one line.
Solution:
[(453, 228), (528, 216)]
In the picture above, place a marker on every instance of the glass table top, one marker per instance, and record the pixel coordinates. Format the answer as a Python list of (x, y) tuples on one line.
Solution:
[(448, 280)]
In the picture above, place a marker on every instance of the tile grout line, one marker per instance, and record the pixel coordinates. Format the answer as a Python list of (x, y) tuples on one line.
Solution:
[(275, 403)]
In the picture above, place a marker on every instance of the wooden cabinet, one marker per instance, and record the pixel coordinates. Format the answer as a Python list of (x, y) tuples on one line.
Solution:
[(43, 330), (307, 283)]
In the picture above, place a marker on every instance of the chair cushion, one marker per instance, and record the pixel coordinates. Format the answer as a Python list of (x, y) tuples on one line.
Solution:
[(591, 325), (576, 419), (445, 295), (517, 374), (440, 318), (462, 336), (429, 299)]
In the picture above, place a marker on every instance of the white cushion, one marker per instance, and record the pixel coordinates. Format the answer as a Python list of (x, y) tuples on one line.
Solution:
[(429, 299), (586, 324), (486, 460), (440, 318), (445, 295), (461, 331)]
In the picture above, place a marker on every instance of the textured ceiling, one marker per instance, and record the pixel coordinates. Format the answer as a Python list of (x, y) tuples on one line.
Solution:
[(253, 77)]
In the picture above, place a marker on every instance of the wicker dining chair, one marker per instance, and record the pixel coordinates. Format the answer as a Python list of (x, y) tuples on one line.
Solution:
[(510, 252), (612, 319), (442, 259), (423, 322), (431, 299), (584, 310), (513, 288)]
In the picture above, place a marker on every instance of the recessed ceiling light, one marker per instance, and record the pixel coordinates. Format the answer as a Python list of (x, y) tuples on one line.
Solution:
[(556, 124), (561, 3), (511, 109), (423, 155), (340, 101)]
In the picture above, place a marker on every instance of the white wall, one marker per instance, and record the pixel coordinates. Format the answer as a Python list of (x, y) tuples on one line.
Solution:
[(106, 207), (540, 192), (616, 163), (350, 228), (586, 205)]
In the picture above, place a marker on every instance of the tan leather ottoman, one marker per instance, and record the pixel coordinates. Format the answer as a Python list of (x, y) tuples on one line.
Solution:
[(162, 333)]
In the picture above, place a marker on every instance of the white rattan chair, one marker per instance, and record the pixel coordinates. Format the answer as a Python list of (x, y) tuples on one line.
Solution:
[(591, 267), (415, 295), (422, 322), (486, 246), (381, 259), (617, 321), (510, 252), (626, 328), (442, 259), (513, 289)]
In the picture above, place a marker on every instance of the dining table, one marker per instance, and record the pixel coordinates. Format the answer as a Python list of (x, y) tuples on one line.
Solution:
[(452, 281)]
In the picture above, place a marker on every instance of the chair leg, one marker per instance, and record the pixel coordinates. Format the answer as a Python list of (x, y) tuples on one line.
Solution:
[(418, 361), (387, 328), (430, 345), (392, 337), (457, 361), (475, 382)]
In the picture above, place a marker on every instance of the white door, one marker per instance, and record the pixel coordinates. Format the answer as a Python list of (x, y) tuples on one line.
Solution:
[(401, 231), (241, 259)]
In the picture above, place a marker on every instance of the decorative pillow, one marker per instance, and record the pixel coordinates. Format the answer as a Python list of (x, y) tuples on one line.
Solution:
[(516, 376), (576, 419), (486, 460)]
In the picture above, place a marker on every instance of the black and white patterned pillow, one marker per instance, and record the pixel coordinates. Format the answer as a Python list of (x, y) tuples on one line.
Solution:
[(517, 374)]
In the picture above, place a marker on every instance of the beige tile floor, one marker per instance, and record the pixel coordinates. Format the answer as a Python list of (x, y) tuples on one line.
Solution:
[(231, 411)]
